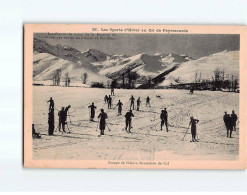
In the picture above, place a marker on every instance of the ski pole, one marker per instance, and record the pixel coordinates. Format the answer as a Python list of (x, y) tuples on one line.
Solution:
[(69, 117), (185, 133), (97, 125), (108, 127), (68, 127)]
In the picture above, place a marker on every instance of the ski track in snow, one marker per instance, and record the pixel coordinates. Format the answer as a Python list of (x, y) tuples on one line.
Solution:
[(146, 142)]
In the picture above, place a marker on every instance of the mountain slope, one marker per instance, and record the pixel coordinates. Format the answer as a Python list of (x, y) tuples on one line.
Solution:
[(64, 52), (45, 66), (227, 61), (146, 66)]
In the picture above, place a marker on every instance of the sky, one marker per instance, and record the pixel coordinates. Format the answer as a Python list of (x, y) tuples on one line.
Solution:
[(195, 46)]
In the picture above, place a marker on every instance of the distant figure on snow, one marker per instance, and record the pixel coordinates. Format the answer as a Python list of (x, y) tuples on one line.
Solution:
[(119, 104), (51, 103), (128, 119), (163, 117), (228, 124), (112, 91), (103, 116), (62, 119), (109, 102), (34, 134), (106, 99), (92, 107), (132, 102), (148, 102), (193, 123), (234, 120), (51, 122), (138, 103)]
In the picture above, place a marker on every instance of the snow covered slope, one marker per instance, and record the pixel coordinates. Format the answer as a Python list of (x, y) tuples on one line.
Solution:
[(45, 66), (227, 61), (146, 66)]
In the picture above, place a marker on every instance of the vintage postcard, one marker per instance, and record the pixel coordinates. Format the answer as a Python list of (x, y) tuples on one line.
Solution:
[(134, 96)]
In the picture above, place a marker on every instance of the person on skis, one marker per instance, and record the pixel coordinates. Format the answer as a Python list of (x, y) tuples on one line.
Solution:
[(234, 120), (92, 115), (119, 104), (163, 117), (109, 102), (106, 99), (148, 102), (103, 116), (128, 119), (112, 91), (193, 123), (138, 103), (227, 121), (132, 102), (51, 122), (62, 119), (51, 103)]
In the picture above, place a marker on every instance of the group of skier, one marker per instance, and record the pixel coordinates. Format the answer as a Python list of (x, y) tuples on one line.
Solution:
[(229, 120), (230, 123)]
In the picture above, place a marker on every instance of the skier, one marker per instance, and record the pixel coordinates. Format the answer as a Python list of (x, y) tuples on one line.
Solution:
[(119, 104), (138, 103), (51, 121), (128, 119), (132, 100), (66, 112), (106, 99), (230, 123), (191, 90), (109, 102), (193, 123), (234, 120), (34, 134), (62, 119), (92, 111), (112, 91), (51, 103), (103, 116), (163, 117), (226, 119), (148, 101)]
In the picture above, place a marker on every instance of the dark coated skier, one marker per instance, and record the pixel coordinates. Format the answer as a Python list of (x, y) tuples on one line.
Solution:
[(128, 119), (109, 102), (148, 102), (138, 103), (230, 124), (112, 91), (92, 115), (193, 123), (163, 117), (103, 116), (132, 102), (106, 99), (119, 104), (234, 120), (51, 103), (227, 120), (51, 122), (62, 119)]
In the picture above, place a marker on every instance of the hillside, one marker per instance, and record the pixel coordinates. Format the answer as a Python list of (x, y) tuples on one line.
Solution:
[(227, 61), (146, 66), (45, 66), (64, 52)]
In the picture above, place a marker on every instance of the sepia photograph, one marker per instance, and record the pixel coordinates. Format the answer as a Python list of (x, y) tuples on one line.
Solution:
[(141, 99)]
